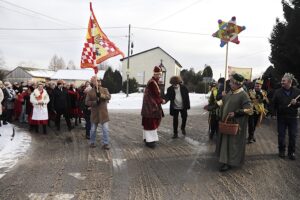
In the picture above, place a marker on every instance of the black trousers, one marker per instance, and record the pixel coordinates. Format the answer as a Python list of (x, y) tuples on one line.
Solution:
[(252, 123), (183, 114), (57, 119), (87, 117), (291, 124), (214, 126)]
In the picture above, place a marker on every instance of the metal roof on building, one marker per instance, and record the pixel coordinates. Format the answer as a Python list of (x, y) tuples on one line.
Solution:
[(34, 72), (76, 74)]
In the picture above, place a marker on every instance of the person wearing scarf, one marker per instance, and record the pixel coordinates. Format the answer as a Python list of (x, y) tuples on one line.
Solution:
[(258, 99), (237, 105), (39, 99)]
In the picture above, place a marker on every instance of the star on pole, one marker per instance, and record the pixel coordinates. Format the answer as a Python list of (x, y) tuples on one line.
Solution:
[(228, 31)]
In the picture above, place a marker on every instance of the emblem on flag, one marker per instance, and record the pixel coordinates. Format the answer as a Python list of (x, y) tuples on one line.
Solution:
[(97, 47)]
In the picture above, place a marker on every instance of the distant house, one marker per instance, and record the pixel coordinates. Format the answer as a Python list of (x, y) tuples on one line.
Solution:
[(76, 76), (22, 74), (141, 65)]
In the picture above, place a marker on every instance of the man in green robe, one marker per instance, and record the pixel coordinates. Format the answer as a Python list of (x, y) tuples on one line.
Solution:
[(237, 105)]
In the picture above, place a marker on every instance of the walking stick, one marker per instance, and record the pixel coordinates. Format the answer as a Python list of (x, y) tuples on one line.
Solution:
[(295, 99)]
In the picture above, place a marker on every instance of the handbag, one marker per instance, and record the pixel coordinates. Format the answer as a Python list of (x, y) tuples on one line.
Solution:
[(228, 128)]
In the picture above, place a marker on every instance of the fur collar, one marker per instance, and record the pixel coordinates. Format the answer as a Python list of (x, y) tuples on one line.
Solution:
[(37, 94)]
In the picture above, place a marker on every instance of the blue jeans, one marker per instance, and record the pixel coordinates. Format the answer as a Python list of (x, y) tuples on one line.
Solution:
[(291, 124), (105, 132)]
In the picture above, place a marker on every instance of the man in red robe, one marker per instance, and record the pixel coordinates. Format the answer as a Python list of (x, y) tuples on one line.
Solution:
[(152, 112)]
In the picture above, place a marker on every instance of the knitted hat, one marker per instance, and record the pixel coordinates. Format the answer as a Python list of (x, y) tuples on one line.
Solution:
[(157, 70), (238, 78)]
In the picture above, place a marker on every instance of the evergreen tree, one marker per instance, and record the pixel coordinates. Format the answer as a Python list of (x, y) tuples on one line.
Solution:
[(285, 40), (118, 81), (108, 80), (133, 86), (207, 72)]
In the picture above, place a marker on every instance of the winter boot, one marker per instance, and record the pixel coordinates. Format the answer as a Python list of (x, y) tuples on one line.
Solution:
[(175, 135), (45, 129)]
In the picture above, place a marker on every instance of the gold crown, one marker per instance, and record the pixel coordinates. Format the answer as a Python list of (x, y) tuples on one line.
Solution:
[(259, 81)]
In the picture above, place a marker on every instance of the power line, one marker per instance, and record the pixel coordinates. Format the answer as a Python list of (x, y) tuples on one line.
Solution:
[(176, 12), (37, 13), (12, 10), (190, 33), (170, 31), (124, 27), (52, 29)]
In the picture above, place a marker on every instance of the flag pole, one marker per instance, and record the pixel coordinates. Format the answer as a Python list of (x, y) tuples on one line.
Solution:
[(127, 85), (226, 60)]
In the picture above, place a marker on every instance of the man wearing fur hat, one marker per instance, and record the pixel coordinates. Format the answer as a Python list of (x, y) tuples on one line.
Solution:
[(178, 95), (235, 104), (152, 112), (258, 99), (286, 103), (97, 99)]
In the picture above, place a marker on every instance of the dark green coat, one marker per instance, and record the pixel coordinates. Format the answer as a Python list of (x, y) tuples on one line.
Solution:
[(231, 149)]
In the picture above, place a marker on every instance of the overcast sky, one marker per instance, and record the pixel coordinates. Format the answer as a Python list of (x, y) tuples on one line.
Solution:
[(193, 48)]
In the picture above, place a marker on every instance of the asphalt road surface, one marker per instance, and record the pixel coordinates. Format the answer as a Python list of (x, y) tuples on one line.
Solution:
[(60, 165)]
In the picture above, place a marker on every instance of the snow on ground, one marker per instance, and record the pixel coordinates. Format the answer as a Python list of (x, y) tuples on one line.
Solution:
[(134, 101), (12, 148)]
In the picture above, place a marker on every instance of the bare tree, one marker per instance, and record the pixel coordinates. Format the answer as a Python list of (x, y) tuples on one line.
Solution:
[(71, 65), (57, 63)]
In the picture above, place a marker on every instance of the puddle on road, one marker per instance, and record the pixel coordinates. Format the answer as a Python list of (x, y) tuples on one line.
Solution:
[(118, 163), (43, 196), (79, 176), (201, 147), (12, 148)]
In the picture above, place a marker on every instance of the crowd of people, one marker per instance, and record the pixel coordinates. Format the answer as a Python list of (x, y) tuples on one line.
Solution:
[(244, 104), (39, 104), (247, 105)]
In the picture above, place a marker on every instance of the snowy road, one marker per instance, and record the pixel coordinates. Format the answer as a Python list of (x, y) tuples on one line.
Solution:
[(60, 165)]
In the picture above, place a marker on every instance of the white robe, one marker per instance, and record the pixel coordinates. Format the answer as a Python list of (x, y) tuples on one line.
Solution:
[(40, 112), (150, 135)]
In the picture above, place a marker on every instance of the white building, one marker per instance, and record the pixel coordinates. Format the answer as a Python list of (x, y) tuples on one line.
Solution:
[(141, 65)]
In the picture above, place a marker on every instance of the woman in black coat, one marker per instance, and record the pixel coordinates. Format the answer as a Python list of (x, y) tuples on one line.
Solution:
[(178, 95)]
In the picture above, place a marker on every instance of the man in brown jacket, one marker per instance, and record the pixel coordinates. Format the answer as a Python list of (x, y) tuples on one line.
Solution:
[(97, 98)]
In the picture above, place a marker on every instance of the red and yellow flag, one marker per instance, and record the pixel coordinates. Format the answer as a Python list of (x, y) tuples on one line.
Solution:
[(97, 47)]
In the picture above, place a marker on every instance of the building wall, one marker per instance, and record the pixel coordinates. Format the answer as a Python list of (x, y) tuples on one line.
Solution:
[(141, 66), (18, 75)]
